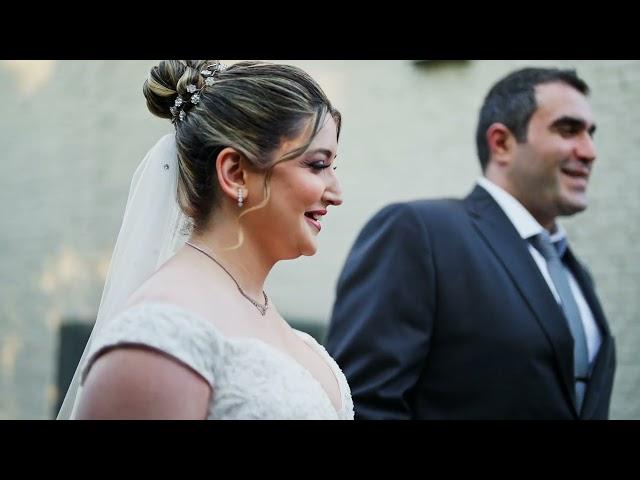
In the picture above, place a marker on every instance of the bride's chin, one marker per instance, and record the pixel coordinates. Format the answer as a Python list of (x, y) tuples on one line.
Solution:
[(310, 250), (307, 248)]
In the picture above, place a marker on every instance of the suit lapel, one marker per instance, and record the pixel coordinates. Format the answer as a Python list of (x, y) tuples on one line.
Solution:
[(600, 366), (507, 245), (587, 290)]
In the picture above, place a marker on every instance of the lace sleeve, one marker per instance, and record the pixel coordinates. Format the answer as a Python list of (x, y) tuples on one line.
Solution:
[(187, 338)]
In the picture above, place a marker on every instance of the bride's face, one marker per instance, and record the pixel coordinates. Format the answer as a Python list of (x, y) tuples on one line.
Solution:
[(301, 190)]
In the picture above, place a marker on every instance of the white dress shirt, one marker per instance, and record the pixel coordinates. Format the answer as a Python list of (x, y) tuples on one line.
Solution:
[(527, 227)]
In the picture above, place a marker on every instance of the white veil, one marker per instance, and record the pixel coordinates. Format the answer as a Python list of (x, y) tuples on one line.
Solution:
[(152, 230)]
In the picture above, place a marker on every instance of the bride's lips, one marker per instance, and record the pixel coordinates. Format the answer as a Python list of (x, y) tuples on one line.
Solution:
[(313, 218)]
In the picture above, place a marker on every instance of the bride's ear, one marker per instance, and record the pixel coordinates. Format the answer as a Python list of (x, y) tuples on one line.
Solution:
[(232, 173)]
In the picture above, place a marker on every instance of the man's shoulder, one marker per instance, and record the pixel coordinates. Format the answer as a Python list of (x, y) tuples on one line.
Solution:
[(441, 216), (437, 205), (428, 209)]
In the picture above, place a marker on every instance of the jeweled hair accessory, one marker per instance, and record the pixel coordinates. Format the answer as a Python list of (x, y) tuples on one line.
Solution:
[(178, 110)]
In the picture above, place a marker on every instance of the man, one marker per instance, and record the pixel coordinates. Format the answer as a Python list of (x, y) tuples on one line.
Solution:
[(478, 308)]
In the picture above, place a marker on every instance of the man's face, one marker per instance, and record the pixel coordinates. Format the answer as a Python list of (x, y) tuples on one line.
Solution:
[(550, 171)]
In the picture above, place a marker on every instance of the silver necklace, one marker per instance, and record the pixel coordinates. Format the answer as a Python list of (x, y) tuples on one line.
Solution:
[(261, 308)]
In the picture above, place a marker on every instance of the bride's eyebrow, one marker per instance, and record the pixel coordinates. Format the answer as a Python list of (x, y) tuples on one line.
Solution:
[(323, 151)]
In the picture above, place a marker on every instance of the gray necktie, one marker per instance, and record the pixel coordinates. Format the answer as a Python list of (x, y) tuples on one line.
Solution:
[(543, 244)]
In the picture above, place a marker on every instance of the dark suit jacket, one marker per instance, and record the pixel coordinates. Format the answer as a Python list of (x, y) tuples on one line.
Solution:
[(442, 313)]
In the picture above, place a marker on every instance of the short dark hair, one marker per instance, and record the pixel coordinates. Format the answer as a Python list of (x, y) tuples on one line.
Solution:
[(512, 102)]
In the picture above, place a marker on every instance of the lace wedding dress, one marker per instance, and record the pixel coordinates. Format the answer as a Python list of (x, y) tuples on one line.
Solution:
[(250, 378)]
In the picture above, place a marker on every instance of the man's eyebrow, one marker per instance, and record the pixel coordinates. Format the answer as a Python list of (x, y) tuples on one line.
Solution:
[(573, 122)]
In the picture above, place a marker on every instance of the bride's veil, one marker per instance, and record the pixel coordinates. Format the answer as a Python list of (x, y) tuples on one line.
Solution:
[(153, 228)]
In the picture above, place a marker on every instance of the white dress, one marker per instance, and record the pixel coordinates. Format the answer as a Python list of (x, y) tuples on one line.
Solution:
[(250, 378)]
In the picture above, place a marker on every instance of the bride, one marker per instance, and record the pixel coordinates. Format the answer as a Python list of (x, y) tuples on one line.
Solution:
[(185, 329)]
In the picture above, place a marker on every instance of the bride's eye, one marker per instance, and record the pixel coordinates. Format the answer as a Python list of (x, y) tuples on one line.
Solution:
[(319, 165)]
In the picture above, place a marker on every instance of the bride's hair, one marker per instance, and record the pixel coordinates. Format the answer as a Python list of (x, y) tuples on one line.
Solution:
[(250, 106)]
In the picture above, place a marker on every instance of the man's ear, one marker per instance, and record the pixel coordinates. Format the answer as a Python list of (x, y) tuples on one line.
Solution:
[(501, 143)]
